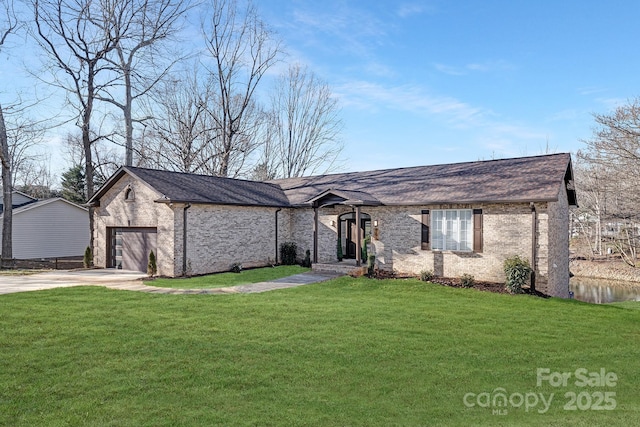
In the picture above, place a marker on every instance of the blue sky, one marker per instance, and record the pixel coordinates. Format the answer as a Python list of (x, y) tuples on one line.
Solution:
[(426, 82)]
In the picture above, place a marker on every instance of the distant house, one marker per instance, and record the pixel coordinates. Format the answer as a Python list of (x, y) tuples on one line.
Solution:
[(49, 228), (454, 219), (18, 198)]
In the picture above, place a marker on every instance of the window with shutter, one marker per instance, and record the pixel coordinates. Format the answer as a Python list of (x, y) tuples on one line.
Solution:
[(452, 230)]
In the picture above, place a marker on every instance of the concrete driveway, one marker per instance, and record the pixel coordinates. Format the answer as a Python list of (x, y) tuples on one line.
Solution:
[(65, 278)]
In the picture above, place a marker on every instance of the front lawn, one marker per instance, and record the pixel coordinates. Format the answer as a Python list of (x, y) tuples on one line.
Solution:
[(355, 352), (223, 280)]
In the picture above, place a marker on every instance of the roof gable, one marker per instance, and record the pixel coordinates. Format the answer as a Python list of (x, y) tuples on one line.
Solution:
[(44, 202), (192, 188)]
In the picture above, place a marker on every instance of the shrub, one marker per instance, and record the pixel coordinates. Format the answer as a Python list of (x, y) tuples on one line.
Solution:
[(371, 265), (87, 259), (467, 281), (307, 259), (288, 253), (517, 271), (152, 266), (339, 250), (364, 252), (236, 267), (426, 275)]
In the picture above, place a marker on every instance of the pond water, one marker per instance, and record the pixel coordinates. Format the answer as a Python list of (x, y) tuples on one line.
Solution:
[(601, 291)]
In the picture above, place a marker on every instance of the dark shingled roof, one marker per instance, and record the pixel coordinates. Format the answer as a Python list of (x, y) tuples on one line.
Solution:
[(192, 188), (522, 179)]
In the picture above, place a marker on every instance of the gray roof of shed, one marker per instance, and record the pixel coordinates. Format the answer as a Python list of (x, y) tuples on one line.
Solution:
[(521, 179)]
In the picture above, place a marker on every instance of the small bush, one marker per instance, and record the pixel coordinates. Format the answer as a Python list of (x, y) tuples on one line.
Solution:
[(306, 262), (371, 265), (236, 268), (467, 281), (364, 252), (288, 253), (339, 250), (87, 259), (426, 275), (517, 271), (152, 266)]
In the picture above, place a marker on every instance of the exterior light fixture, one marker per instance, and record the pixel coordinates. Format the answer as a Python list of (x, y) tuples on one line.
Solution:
[(375, 222), (333, 223)]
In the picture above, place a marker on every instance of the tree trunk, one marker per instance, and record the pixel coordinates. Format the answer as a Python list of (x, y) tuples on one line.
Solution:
[(86, 143), (7, 214), (128, 119)]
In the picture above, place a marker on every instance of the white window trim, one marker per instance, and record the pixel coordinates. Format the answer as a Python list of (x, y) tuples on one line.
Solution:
[(458, 229)]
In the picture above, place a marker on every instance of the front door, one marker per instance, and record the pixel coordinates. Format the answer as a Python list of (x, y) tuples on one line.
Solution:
[(348, 232), (350, 241)]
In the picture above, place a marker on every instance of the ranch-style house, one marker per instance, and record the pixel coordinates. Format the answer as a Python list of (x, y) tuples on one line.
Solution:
[(453, 219)]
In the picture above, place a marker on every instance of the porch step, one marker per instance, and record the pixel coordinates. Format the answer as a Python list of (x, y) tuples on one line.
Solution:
[(340, 267)]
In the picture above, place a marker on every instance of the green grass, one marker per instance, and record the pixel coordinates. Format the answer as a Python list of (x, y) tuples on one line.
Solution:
[(633, 305), (354, 352), (222, 280)]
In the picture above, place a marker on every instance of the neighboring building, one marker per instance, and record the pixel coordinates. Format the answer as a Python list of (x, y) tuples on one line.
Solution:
[(49, 228), (452, 219), (18, 199)]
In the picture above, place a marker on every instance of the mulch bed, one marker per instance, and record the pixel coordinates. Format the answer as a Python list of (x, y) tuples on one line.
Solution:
[(497, 288)]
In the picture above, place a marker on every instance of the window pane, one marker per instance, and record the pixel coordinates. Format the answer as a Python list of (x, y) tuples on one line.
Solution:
[(451, 230), (466, 230), (437, 236)]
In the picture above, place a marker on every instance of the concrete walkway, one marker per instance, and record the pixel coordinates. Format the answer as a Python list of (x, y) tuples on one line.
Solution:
[(129, 281), (283, 283)]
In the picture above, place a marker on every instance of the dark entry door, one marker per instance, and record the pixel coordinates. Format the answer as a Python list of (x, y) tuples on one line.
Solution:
[(351, 234)]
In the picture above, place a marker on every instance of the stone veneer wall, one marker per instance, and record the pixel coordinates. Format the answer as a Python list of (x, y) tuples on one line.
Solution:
[(142, 211), (219, 236), (558, 260)]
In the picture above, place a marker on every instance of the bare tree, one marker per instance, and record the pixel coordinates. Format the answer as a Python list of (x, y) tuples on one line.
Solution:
[(612, 155), (76, 36), (242, 49), (9, 24), (181, 134), (140, 28), (306, 126)]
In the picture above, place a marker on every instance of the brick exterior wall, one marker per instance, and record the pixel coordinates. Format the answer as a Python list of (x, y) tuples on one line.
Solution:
[(507, 231), (219, 236), (142, 211), (558, 260)]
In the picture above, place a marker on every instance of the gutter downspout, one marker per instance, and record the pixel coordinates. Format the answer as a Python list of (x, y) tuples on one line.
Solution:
[(315, 235), (276, 215), (184, 238), (534, 246)]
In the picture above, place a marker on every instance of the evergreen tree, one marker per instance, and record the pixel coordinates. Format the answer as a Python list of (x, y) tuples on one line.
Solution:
[(73, 185)]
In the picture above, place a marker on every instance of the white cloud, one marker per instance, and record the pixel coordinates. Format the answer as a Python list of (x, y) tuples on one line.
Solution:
[(410, 9), (408, 98), (483, 67)]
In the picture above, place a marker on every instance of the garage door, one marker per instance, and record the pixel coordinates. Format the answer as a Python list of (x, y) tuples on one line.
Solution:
[(130, 247)]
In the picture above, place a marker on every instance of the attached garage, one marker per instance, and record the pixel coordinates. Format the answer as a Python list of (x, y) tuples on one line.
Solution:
[(129, 247)]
